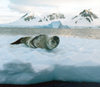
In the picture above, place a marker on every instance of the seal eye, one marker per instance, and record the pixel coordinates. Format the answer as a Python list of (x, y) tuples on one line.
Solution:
[(55, 38)]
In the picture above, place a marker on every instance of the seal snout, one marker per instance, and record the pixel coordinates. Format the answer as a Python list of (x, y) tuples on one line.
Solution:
[(56, 38)]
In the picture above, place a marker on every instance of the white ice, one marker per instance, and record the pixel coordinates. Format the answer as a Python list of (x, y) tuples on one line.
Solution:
[(75, 59)]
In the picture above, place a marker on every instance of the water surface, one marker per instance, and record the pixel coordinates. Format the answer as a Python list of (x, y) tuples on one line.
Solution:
[(82, 33)]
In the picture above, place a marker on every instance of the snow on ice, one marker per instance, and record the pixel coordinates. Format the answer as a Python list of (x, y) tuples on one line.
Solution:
[(75, 59)]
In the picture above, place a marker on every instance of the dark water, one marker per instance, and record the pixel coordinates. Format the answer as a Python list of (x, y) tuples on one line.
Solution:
[(82, 33), (57, 84)]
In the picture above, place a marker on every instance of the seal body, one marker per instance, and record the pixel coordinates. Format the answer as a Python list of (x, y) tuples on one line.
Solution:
[(40, 41)]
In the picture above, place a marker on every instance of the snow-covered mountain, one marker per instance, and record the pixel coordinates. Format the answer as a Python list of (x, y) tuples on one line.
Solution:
[(85, 19), (49, 17), (52, 20), (85, 15)]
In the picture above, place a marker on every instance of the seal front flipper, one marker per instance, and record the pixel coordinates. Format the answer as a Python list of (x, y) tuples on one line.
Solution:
[(19, 41)]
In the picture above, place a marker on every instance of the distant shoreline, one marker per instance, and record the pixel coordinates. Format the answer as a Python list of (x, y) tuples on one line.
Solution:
[(81, 33)]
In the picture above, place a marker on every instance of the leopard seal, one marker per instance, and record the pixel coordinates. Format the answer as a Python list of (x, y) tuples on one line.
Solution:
[(40, 41)]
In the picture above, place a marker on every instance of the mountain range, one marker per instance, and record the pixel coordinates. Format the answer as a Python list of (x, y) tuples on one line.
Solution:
[(85, 18)]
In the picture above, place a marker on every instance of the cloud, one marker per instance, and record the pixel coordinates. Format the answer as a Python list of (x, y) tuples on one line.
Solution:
[(47, 5), (55, 2), (35, 2), (33, 9), (4, 3)]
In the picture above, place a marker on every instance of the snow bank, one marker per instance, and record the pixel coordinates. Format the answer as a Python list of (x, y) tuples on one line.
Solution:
[(74, 59)]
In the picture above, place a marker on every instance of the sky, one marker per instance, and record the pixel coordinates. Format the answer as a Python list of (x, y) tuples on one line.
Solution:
[(11, 10)]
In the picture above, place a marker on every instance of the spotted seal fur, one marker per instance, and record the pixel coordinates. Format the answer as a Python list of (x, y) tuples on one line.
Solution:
[(40, 41)]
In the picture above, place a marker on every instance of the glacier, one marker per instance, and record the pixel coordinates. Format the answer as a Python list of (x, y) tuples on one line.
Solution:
[(75, 59)]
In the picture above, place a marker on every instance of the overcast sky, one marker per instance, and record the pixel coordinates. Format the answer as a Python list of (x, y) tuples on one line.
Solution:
[(11, 10)]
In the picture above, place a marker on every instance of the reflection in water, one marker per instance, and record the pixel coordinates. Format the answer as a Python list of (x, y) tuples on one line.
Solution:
[(82, 33)]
